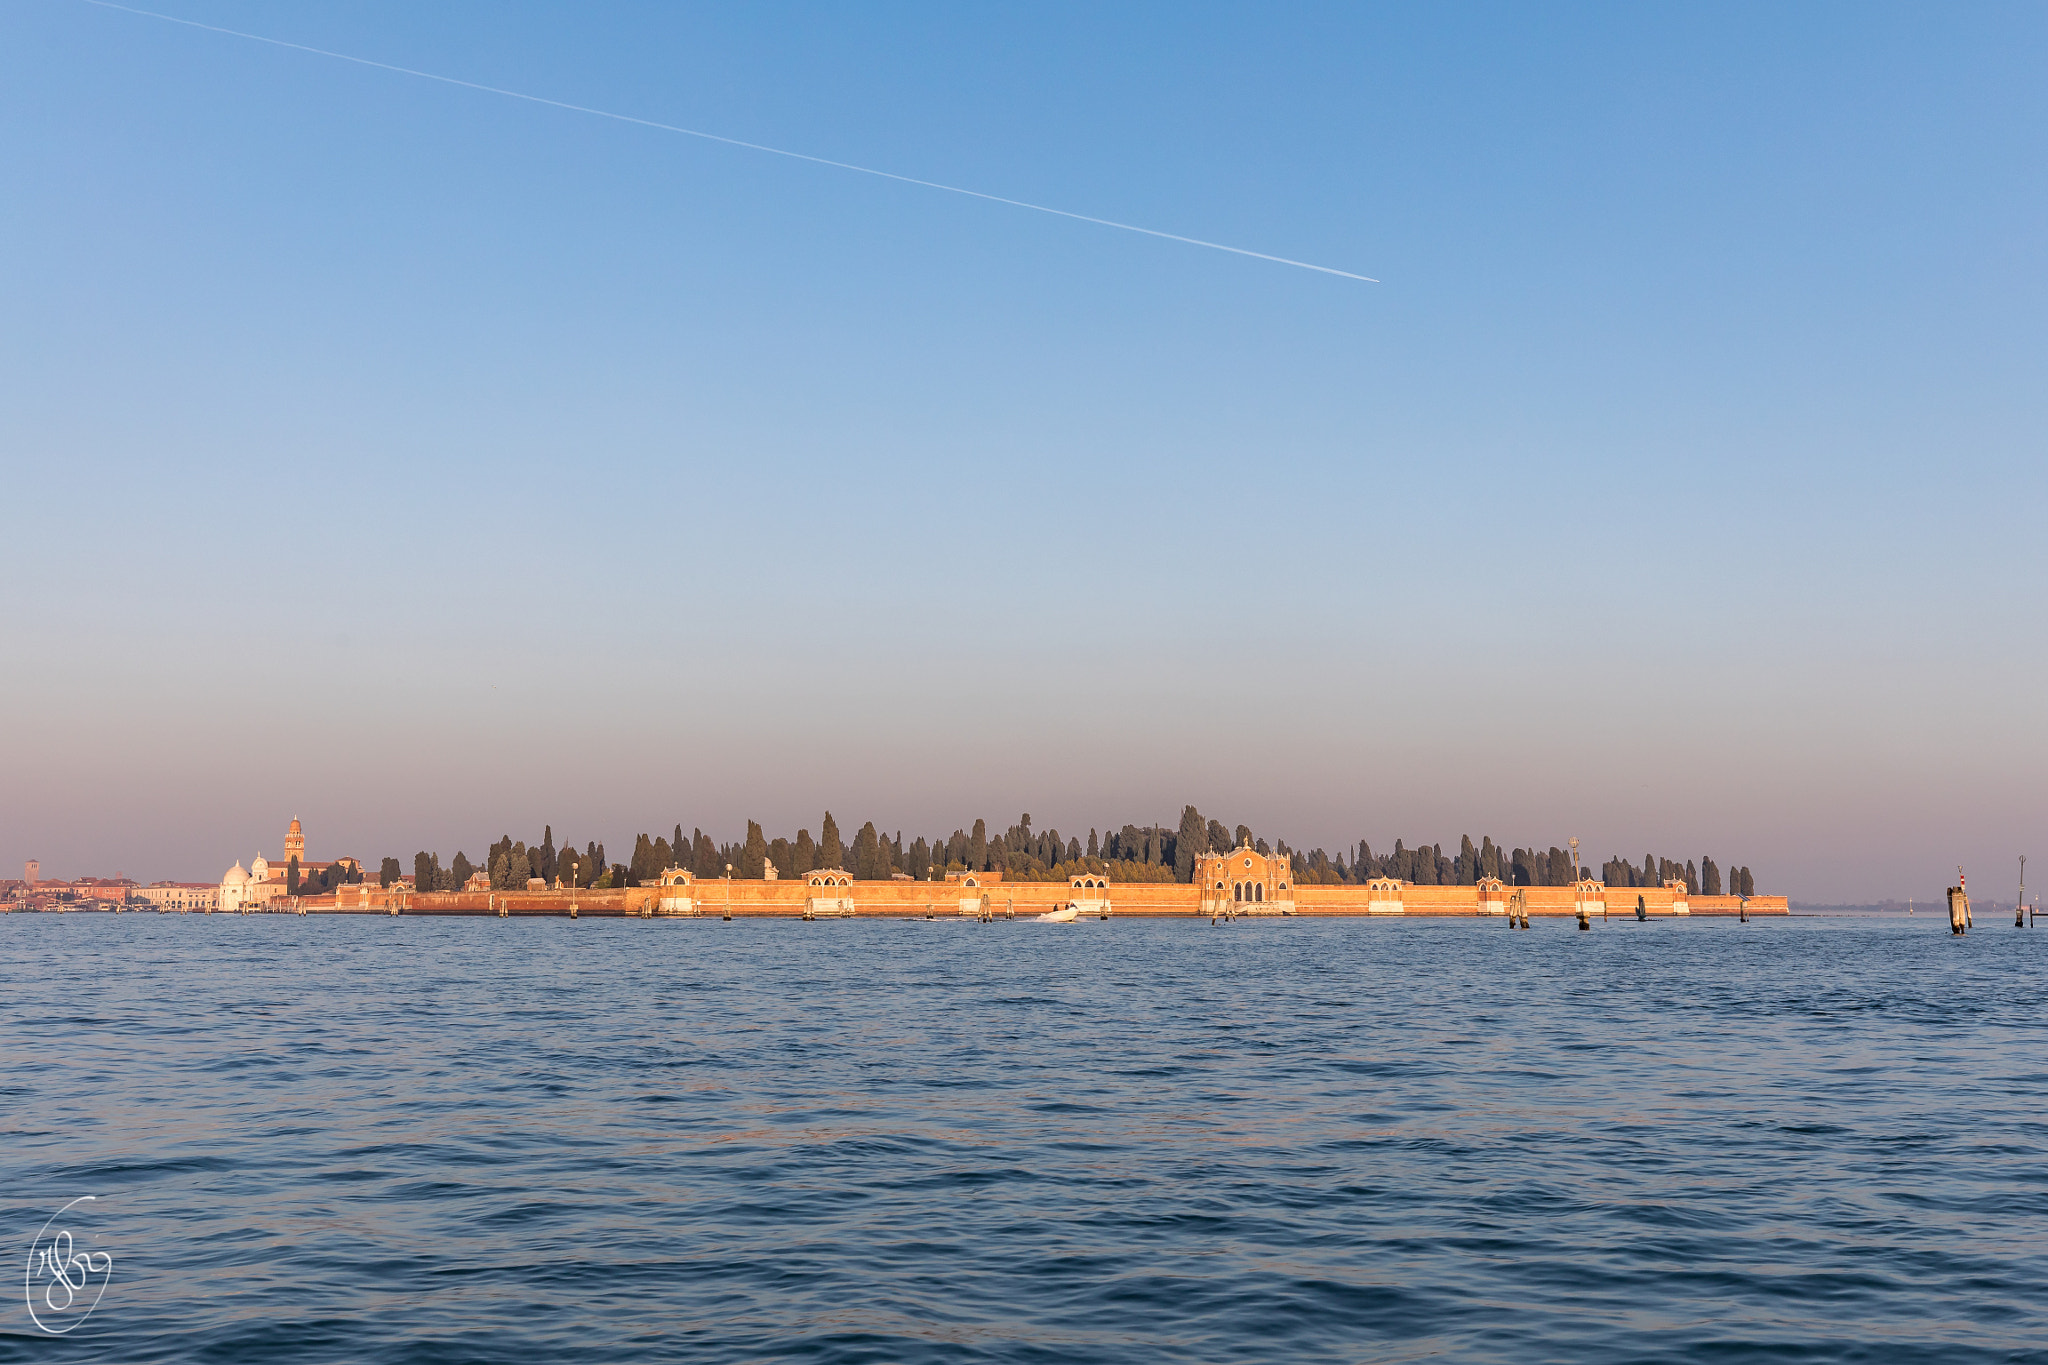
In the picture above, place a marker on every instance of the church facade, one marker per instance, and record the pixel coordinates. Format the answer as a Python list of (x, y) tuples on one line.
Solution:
[(1245, 882)]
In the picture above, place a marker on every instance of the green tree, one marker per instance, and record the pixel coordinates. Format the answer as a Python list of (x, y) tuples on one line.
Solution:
[(831, 853), (545, 869), (704, 859), (291, 876), (1190, 839), (977, 847), (804, 856), (645, 865), (1710, 877), (753, 854), (389, 872), (867, 855)]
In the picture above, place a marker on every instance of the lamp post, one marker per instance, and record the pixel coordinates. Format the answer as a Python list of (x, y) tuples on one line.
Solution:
[(728, 890), (574, 869)]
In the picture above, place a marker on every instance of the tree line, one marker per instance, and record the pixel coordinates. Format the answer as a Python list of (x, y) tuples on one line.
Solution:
[(321, 882), (1133, 853)]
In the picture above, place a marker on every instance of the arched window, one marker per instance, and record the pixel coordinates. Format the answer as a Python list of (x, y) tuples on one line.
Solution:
[(1258, 891)]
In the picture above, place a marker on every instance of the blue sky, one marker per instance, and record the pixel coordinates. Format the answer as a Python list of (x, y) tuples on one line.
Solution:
[(435, 465)]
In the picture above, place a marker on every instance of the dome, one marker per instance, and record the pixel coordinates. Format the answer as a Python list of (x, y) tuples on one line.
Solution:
[(259, 871), (235, 877)]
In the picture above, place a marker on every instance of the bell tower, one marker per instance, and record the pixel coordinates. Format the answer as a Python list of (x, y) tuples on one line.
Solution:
[(295, 843)]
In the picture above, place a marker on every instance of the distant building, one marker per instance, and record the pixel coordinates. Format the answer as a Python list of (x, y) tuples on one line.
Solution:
[(1245, 881), (105, 890), (179, 896), (264, 882)]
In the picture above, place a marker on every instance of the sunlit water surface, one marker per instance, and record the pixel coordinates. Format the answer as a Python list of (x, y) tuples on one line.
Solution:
[(341, 1139)]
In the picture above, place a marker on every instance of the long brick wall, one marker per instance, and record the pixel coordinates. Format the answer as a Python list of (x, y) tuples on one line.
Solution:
[(786, 899)]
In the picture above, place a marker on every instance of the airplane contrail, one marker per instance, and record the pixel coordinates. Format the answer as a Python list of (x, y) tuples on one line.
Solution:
[(728, 141)]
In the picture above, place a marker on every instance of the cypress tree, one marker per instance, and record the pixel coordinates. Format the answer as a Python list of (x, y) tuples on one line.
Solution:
[(866, 854), (1094, 849), (1241, 837), (753, 854), (831, 853), (546, 870), (1192, 837), (1710, 877), (1748, 883), (459, 872), (1425, 867), (977, 847), (804, 856), (920, 860), (704, 856), (291, 876)]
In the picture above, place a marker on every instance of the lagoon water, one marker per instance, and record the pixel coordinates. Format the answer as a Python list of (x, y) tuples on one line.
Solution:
[(365, 1138)]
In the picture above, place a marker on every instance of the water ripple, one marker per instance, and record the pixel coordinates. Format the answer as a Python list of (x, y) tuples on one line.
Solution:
[(419, 1140)]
